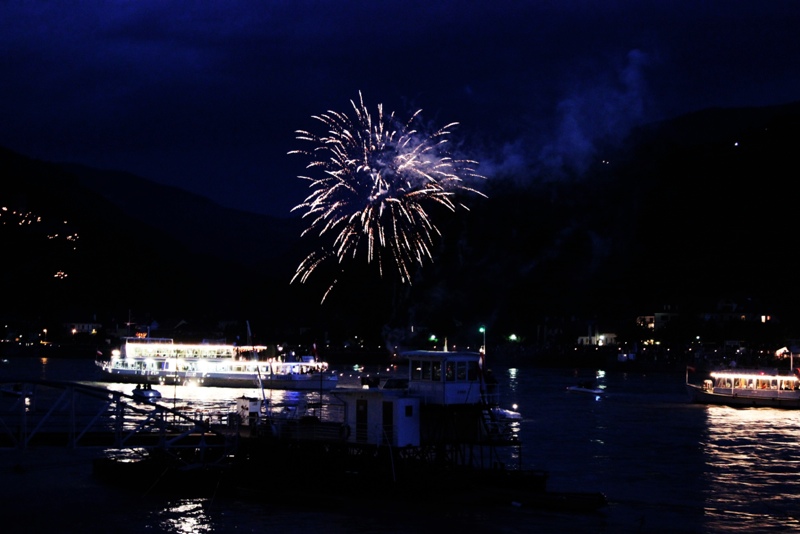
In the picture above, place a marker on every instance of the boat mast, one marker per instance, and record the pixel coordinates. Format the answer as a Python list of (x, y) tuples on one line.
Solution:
[(782, 352), (258, 367)]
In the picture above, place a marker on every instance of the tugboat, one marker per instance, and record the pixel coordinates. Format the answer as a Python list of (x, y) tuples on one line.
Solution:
[(438, 433)]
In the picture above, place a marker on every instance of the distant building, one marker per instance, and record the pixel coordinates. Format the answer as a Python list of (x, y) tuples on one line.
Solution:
[(598, 340), (646, 321), (83, 328), (659, 319)]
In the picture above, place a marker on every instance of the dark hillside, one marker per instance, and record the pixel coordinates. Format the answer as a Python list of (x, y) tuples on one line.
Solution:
[(716, 213), (688, 211), (111, 261)]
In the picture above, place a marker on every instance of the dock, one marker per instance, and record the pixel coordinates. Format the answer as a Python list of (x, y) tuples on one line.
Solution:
[(387, 441)]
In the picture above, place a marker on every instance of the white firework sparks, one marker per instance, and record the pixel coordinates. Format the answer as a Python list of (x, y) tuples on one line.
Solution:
[(376, 179)]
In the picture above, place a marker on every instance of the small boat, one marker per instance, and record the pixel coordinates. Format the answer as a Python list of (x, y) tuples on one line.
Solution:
[(587, 387), (161, 361), (146, 393), (502, 414), (747, 388)]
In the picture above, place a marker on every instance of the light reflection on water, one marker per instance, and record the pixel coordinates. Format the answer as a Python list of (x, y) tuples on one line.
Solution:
[(216, 403), (185, 516), (752, 457), (666, 465)]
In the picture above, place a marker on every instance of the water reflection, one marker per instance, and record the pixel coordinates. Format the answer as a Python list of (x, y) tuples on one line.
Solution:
[(184, 516), (752, 457), (216, 403), (512, 380), (665, 464)]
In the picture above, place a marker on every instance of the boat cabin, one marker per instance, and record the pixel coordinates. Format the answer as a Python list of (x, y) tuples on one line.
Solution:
[(752, 383), (162, 348), (402, 416), (444, 377), (437, 407), (381, 417)]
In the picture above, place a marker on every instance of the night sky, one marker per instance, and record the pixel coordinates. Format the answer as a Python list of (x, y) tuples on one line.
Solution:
[(207, 96)]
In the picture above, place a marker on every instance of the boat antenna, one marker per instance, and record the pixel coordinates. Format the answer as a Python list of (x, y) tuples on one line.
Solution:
[(175, 391)]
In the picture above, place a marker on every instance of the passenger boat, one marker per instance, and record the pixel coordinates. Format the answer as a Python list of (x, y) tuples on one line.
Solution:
[(162, 361), (747, 388)]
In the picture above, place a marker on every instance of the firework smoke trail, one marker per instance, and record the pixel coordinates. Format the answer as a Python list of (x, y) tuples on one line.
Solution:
[(376, 179)]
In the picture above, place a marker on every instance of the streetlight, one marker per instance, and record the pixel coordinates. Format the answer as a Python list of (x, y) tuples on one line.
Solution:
[(482, 330)]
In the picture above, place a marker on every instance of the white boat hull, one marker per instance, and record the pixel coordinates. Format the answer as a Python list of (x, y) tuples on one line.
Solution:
[(312, 382), (590, 391), (146, 395), (745, 399), (160, 361)]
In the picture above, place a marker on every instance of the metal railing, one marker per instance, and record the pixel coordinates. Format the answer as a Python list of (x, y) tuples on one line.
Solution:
[(66, 414)]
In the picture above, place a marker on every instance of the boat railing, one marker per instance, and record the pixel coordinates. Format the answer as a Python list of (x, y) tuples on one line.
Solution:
[(307, 428), (47, 413), (753, 392), (490, 394), (144, 340)]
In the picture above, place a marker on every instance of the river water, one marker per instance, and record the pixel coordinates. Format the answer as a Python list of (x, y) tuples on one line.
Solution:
[(665, 465)]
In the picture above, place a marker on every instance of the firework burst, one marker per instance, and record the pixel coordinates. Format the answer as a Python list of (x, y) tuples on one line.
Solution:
[(377, 177)]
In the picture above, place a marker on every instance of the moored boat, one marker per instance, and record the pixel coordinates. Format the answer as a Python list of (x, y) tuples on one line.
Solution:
[(438, 432), (434, 435), (162, 361)]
